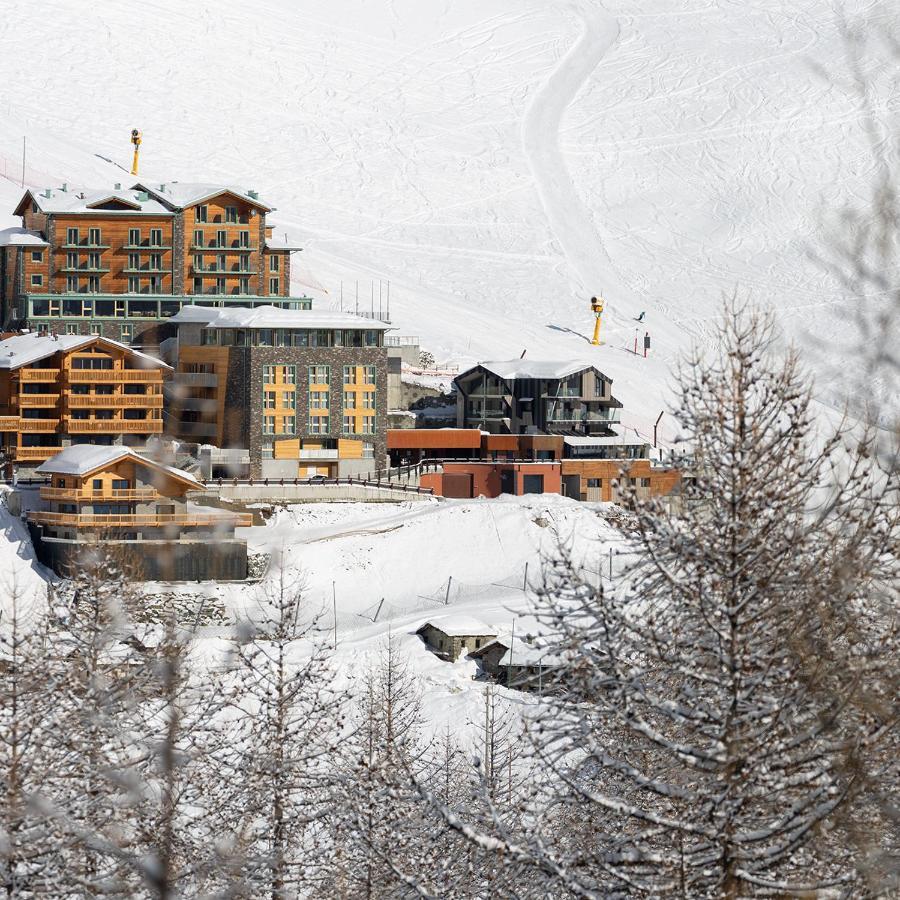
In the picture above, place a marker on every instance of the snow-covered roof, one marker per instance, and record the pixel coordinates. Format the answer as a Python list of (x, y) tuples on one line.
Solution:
[(182, 194), (277, 243), (24, 349), (72, 200), (524, 654), (82, 459), (458, 625), (546, 369), (273, 317), (616, 439), (21, 237)]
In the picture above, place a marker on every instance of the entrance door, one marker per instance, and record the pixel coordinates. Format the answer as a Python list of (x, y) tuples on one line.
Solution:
[(507, 481)]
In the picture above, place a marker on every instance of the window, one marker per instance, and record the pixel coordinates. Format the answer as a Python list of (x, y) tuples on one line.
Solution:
[(198, 285), (349, 399), (349, 425), (71, 235), (243, 238), (289, 374), (37, 280), (134, 284), (369, 373), (93, 236), (120, 484), (156, 237), (220, 285), (268, 450), (72, 284), (644, 482), (243, 285), (92, 362), (127, 332), (71, 328), (231, 214), (221, 238), (368, 400), (95, 328), (368, 426), (156, 260), (349, 374), (134, 237), (202, 214), (155, 284), (37, 255), (274, 286), (244, 264), (318, 400), (94, 284), (289, 400), (595, 482), (318, 374), (220, 262), (274, 263), (265, 337), (268, 399), (97, 484), (134, 260), (93, 260), (318, 424), (198, 237), (71, 260), (268, 424), (289, 425)]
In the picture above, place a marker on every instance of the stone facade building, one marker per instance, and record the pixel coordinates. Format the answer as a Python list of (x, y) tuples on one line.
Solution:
[(305, 392), (451, 636)]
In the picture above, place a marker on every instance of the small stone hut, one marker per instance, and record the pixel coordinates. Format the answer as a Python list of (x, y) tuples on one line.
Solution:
[(451, 636)]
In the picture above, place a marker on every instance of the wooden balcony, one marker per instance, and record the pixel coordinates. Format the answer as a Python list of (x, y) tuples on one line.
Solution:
[(9, 423), (90, 376), (43, 426), (115, 426), (194, 520), (38, 400), (78, 495), (43, 375), (35, 454), (107, 401)]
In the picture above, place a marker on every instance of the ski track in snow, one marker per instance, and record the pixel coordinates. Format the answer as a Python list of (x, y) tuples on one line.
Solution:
[(569, 219)]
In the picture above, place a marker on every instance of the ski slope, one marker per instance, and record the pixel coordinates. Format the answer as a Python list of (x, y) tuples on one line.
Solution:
[(498, 162)]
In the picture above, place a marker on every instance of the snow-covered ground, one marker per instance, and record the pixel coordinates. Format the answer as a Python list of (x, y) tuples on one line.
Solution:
[(498, 162)]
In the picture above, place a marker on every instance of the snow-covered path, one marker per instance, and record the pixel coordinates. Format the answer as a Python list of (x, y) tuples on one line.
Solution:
[(571, 222)]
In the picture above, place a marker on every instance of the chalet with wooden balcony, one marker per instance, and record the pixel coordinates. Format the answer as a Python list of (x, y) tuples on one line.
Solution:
[(136, 510), (119, 263), (524, 396), (56, 390)]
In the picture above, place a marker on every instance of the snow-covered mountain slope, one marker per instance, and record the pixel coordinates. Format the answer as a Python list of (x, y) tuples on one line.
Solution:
[(497, 161)]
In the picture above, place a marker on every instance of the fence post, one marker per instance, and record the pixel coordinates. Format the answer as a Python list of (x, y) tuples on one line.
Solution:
[(447, 597)]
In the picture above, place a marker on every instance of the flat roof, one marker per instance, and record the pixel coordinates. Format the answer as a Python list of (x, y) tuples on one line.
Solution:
[(273, 317), (433, 438)]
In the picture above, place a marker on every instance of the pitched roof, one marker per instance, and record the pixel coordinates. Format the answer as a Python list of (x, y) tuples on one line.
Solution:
[(458, 625), (82, 459), (273, 317), (21, 237), (24, 349), (57, 200), (544, 369), (182, 194)]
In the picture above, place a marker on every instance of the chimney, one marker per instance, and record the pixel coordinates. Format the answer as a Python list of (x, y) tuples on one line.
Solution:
[(118, 185), (253, 195), (65, 187)]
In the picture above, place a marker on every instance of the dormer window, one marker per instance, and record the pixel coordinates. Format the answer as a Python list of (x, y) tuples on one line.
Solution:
[(202, 214), (231, 214)]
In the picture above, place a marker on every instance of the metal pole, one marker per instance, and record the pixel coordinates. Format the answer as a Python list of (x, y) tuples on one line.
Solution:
[(334, 603), (655, 424), (610, 565), (377, 611), (512, 641), (447, 598), (23, 160), (525, 581)]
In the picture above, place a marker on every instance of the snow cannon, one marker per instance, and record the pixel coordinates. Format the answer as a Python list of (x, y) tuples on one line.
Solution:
[(136, 140), (597, 310)]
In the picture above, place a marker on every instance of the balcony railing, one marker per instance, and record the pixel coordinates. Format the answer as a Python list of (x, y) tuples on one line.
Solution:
[(319, 454), (86, 376), (105, 401), (33, 454), (41, 425), (9, 423), (236, 520), (42, 375), (38, 400), (196, 379), (115, 426), (79, 495)]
